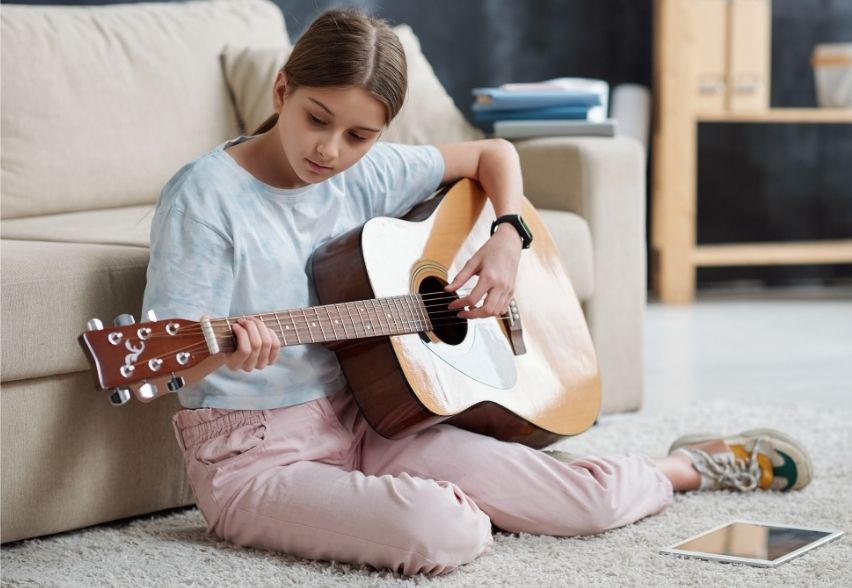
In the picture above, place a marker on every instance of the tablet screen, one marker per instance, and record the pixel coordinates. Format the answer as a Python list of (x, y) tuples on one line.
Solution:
[(753, 542)]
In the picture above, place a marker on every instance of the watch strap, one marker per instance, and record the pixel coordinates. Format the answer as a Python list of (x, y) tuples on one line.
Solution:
[(518, 222)]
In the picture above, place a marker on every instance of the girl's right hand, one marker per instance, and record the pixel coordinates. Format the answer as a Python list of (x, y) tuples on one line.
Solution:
[(257, 345)]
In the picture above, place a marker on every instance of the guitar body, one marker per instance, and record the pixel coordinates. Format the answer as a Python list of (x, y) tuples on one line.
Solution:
[(468, 373)]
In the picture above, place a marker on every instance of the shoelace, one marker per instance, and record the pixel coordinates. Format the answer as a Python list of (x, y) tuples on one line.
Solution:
[(728, 470)]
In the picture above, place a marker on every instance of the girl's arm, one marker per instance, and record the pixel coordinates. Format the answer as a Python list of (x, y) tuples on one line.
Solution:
[(495, 165)]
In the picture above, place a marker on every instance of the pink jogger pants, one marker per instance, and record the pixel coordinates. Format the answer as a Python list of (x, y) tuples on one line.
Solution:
[(314, 480)]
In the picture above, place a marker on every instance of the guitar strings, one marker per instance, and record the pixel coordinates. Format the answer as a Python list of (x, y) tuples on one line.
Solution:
[(224, 333), (370, 317), (381, 328), (446, 318), (227, 340)]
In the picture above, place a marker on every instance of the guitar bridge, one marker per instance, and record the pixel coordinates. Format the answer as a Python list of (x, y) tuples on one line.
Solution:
[(515, 328)]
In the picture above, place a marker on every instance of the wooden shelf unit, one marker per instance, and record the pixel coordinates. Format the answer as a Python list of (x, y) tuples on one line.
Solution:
[(787, 253), (781, 115), (675, 252)]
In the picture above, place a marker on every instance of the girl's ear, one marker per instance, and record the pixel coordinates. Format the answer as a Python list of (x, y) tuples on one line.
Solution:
[(279, 89)]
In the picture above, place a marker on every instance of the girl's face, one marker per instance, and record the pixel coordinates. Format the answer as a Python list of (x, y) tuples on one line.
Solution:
[(324, 131)]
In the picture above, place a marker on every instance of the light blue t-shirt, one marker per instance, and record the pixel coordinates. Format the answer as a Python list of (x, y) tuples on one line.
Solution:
[(225, 244)]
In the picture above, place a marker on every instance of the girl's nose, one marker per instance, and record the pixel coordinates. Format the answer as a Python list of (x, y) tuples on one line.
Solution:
[(327, 150)]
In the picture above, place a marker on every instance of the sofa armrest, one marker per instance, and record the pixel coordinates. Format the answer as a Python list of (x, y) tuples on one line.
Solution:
[(602, 180)]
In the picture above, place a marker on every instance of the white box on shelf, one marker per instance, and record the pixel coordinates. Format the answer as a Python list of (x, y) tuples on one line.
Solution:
[(832, 63)]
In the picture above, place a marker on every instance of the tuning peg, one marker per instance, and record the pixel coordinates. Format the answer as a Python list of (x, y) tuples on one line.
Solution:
[(94, 325), (123, 320), (147, 390), (152, 317), (175, 384), (119, 396)]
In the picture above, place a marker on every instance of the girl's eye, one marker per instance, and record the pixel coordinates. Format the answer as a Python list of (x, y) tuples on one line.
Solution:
[(315, 120), (358, 137)]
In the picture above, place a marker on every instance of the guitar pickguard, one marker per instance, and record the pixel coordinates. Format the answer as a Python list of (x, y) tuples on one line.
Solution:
[(484, 355)]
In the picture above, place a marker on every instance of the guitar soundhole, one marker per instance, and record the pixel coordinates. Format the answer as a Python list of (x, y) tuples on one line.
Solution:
[(446, 326)]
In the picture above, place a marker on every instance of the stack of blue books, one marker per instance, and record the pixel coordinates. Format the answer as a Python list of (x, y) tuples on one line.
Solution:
[(564, 106)]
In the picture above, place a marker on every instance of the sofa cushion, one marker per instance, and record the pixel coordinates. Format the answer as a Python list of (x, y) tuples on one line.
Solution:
[(571, 235), (429, 115), (129, 225), (49, 291), (250, 74), (102, 104), (71, 459)]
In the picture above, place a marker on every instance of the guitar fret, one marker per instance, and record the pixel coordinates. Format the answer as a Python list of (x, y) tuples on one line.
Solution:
[(370, 327), (309, 337), (348, 306), (417, 311), (421, 310), (393, 311), (262, 318), (295, 328), (403, 318), (342, 321), (229, 342), (280, 328), (308, 326), (330, 322), (407, 306), (339, 320), (377, 312), (408, 321), (373, 317), (319, 322), (400, 316), (394, 328)]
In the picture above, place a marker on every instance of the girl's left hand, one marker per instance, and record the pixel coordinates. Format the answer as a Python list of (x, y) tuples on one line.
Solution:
[(496, 266)]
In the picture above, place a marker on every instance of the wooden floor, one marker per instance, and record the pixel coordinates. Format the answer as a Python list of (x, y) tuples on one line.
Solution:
[(770, 345)]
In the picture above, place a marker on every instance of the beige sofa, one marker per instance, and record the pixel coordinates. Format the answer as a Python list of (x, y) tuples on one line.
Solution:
[(100, 106)]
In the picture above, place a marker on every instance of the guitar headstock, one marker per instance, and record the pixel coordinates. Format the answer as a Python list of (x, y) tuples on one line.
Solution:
[(142, 357)]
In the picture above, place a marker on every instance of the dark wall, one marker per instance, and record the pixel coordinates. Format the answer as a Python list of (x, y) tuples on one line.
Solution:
[(486, 42), (755, 182)]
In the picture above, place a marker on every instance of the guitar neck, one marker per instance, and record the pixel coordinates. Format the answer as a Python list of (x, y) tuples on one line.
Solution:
[(395, 315)]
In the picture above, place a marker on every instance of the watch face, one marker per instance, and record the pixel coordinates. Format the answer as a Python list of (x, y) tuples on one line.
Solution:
[(526, 227)]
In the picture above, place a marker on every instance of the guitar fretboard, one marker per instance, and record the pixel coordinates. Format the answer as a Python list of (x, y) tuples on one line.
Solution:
[(395, 315)]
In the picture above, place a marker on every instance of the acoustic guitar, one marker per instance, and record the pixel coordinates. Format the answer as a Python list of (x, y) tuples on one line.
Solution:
[(529, 376)]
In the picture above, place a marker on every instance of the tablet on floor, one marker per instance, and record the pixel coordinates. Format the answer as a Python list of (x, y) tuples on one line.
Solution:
[(757, 544)]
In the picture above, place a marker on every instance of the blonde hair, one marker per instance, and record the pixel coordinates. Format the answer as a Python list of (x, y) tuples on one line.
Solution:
[(345, 48)]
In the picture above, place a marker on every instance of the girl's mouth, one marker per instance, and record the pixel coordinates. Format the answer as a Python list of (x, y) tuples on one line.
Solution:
[(317, 168)]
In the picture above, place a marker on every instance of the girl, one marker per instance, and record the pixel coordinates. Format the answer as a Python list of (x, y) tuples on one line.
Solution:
[(276, 451)]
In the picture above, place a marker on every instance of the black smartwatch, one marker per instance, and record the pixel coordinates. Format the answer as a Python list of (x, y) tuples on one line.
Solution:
[(516, 221)]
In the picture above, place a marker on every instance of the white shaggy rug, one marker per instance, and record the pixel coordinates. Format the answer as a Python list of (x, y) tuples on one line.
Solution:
[(173, 550)]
